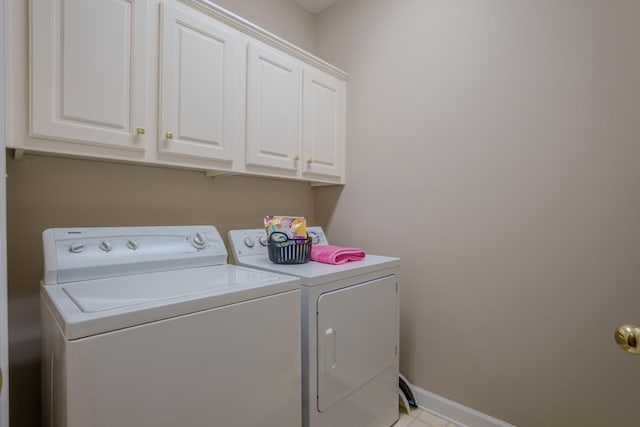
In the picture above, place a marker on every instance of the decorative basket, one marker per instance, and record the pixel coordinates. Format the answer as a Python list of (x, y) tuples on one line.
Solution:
[(283, 250)]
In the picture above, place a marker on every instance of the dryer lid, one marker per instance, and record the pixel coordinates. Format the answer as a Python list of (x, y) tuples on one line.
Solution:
[(249, 249), (316, 273)]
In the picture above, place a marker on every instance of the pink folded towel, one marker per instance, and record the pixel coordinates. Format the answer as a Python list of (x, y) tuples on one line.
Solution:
[(335, 254)]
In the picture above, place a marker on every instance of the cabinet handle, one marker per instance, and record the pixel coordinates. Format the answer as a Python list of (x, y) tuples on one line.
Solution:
[(140, 130), (169, 135), (309, 161), (296, 158)]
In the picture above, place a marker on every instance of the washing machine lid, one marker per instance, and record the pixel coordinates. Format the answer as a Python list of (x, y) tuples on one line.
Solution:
[(95, 306), (316, 273)]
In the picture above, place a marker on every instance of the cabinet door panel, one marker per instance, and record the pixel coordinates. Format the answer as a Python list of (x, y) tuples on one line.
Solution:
[(273, 109), (87, 63), (323, 112), (199, 85)]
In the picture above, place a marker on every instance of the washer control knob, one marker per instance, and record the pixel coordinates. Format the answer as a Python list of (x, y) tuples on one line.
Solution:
[(249, 241), (106, 246), (198, 241), (133, 244), (264, 240), (76, 248)]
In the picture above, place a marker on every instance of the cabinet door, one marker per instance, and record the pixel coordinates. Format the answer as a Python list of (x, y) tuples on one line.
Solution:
[(323, 123), (274, 90), (199, 85), (88, 71)]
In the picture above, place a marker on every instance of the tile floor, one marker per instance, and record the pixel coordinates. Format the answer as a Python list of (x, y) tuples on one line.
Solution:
[(419, 418)]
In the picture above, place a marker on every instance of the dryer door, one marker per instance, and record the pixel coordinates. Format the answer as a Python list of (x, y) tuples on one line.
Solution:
[(357, 337)]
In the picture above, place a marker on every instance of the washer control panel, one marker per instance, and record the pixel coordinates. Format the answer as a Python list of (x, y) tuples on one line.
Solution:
[(74, 254), (254, 241)]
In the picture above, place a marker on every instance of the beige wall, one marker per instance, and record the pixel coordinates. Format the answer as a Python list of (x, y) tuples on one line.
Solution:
[(284, 18), (45, 192), (493, 145)]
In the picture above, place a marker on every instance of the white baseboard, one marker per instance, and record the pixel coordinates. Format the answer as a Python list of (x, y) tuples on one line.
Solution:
[(454, 411)]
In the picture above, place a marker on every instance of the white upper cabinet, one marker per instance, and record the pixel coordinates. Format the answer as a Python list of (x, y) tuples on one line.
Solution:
[(323, 124), (180, 83), (274, 89), (200, 85), (295, 117), (88, 71)]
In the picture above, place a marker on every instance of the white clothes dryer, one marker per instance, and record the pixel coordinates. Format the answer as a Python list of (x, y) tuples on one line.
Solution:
[(150, 327), (349, 333)]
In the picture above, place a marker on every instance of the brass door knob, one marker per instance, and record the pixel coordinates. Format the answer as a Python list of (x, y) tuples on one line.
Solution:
[(628, 338), (169, 135), (140, 130)]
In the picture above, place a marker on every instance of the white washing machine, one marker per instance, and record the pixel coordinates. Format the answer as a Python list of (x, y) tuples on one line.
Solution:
[(349, 333), (150, 327)]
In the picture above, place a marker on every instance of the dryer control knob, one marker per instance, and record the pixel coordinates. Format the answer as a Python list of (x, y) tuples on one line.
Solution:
[(315, 239), (249, 241), (198, 241), (133, 244), (264, 240), (76, 248), (106, 246)]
